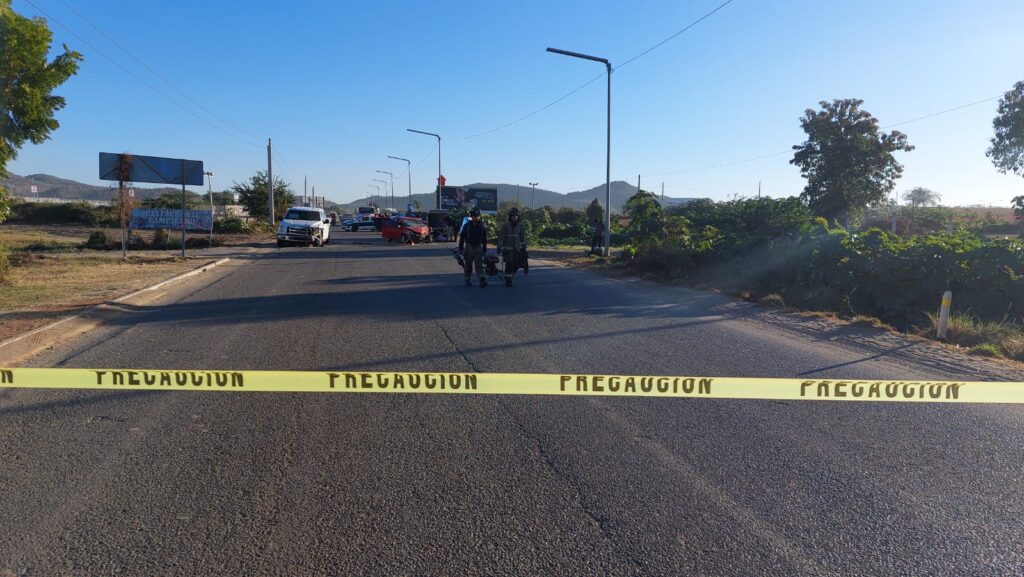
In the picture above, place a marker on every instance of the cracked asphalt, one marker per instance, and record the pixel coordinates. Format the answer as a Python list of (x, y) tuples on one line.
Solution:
[(183, 483)]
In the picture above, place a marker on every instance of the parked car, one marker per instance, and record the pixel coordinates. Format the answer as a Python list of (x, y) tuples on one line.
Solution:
[(406, 230), (358, 224), (305, 226)]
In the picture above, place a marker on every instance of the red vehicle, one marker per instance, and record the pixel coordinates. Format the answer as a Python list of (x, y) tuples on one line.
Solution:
[(406, 230)]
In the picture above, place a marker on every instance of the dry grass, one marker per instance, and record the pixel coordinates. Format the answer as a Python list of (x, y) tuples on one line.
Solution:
[(772, 300), (867, 321), (62, 280), (24, 238)]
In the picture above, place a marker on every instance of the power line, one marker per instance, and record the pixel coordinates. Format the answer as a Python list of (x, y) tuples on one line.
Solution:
[(599, 76), (954, 109), (155, 73), (135, 76), (670, 38)]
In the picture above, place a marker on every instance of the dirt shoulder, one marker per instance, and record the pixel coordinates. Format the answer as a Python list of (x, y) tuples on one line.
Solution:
[(44, 287)]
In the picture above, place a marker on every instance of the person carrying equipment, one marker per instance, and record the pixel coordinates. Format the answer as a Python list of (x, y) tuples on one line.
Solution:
[(473, 246), (512, 244)]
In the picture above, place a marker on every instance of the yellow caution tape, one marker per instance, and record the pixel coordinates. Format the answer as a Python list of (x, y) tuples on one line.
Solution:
[(518, 384)]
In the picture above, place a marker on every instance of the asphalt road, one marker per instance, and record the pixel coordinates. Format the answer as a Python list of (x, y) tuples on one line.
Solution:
[(148, 483)]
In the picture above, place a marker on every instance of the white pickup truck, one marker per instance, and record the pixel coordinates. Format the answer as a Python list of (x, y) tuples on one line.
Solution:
[(305, 226)]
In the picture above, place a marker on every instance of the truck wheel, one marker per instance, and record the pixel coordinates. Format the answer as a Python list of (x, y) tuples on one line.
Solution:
[(353, 228), (280, 244)]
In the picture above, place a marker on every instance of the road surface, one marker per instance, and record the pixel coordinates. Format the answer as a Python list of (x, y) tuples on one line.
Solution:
[(180, 483)]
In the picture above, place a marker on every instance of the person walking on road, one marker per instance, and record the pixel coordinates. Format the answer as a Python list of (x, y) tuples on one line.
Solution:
[(473, 247), (512, 244)]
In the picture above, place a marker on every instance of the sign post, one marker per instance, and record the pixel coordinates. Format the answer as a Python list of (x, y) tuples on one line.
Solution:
[(155, 169)]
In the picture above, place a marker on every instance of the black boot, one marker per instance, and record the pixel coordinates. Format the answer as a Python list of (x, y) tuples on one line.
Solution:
[(468, 282), (508, 281), (483, 281)]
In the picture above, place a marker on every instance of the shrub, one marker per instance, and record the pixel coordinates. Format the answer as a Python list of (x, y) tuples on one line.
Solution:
[(98, 240), (5, 265), (71, 213), (160, 237)]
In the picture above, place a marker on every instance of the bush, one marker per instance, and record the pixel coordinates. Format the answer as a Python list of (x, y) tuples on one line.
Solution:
[(98, 240), (160, 237), (235, 225), (5, 265), (81, 213)]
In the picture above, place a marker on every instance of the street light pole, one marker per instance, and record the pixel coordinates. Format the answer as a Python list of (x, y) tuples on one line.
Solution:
[(533, 195), (378, 192), (392, 202), (408, 174), (385, 183), (209, 184), (608, 153), (437, 200)]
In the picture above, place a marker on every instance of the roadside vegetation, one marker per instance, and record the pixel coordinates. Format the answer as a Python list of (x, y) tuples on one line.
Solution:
[(844, 246)]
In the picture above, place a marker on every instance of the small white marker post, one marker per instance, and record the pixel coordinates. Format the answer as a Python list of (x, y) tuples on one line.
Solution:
[(947, 300)]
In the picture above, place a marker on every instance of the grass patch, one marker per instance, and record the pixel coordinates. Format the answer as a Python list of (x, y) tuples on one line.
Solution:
[(868, 321), (985, 350), (60, 280), (22, 239), (968, 331), (772, 300)]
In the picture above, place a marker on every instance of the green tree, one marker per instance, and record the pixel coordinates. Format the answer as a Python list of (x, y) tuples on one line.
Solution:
[(172, 199), (252, 194), (1018, 212), (920, 196), (646, 219), (847, 161), (1007, 150), (594, 210), (27, 81)]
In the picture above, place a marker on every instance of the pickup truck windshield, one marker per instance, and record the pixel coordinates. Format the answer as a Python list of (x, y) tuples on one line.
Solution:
[(302, 215)]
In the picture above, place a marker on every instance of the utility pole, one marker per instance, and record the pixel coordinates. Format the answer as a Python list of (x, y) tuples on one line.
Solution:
[(608, 147), (663, 193), (305, 199), (517, 194), (759, 189), (638, 183), (533, 196), (270, 185), (209, 182)]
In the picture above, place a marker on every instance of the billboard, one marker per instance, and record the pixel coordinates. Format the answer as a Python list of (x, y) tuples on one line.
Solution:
[(486, 199), (153, 169), (170, 218)]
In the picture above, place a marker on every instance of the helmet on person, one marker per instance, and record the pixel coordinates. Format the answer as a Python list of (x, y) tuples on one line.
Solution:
[(474, 212), (513, 213)]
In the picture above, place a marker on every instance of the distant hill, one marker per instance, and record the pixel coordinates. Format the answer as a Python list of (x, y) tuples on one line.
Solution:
[(54, 187), (49, 186), (621, 191)]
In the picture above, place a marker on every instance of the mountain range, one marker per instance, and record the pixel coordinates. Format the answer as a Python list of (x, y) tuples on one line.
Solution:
[(49, 186), (620, 192), (55, 187)]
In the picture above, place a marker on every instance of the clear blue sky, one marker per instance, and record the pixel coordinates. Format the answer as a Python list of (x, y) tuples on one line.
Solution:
[(335, 84)]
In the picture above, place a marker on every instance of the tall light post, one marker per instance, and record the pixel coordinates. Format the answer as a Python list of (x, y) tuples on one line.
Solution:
[(392, 186), (608, 155), (533, 195), (408, 174), (438, 137), (385, 183), (209, 184), (378, 192)]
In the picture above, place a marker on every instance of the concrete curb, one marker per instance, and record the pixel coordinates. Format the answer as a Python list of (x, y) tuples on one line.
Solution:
[(27, 343)]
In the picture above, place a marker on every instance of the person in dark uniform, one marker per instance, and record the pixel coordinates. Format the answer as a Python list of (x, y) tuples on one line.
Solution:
[(473, 246)]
